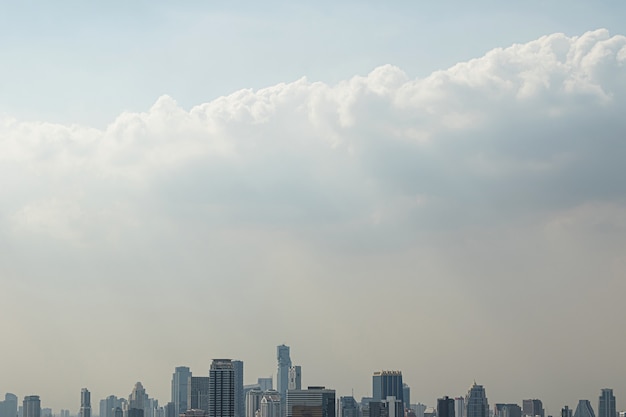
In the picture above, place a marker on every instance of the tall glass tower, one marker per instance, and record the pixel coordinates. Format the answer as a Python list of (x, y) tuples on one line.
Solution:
[(606, 404), (476, 404), (387, 383), (284, 363), (85, 403), (180, 389)]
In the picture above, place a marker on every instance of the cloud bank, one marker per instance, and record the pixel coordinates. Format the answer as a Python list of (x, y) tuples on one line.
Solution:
[(477, 181)]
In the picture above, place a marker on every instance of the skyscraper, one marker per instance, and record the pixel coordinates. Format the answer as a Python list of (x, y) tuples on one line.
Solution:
[(222, 388), (606, 403), (459, 403), (532, 408), (476, 404), (445, 407), (180, 388), (31, 406), (8, 407), (584, 409), (295, 377), (387, 384), (270, 404), (199, 393), (240, 401), (566, 412), (85, 403), (349, 407), (406, 396), (253, 402), (284, 363), (312, 402)]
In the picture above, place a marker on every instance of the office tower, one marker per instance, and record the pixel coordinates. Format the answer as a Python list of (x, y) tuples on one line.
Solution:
[(180, 388), (312, 402), (266, 384), (393, 407), (418, 409), (85, 403), (270, 404), (445, 407), (606, 403), (108, 406), (240, 400), (222, 388), (117, 412), (31, 406), (9, 407), (507, 410), (584, 409), (459, 407), (387, 384), (194, 413), (476, 404), (348, 407), (566, 412), (284, 363), (170, 410), (406, 396), (532, 408), (253, 402), (295, 378), (199, 393)]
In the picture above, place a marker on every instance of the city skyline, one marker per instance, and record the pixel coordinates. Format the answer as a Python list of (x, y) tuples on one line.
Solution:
[(320, 175)]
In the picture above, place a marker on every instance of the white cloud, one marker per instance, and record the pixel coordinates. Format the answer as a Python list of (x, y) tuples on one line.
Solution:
[(469, 181)]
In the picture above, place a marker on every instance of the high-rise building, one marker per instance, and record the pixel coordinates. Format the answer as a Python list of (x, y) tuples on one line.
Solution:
[(31, 406), (348, 407), (459, 406), (9, 407), (109, 404), (270, 404), (284, 363), (606, 403), (312, 402), (240, 400), (532, 408), (222, 388), (295, 378), (566, 412), (584, 409), (507, 410), (253, 402), (445, 407), (265, 384), (406, 396), (199, 393), (180, 388), (85, 403), (476, 404), (282, 375), (387, 384)]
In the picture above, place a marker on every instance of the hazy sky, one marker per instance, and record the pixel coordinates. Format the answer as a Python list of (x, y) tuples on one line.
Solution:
[(435, 188)]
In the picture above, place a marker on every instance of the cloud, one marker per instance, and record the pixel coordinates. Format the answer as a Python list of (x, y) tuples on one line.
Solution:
[(477, 181)]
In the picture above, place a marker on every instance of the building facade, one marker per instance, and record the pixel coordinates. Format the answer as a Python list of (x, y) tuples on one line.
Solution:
[(181, 378), (606, 403), (387, 384), (312, 402), (476, 403), (222, 388)]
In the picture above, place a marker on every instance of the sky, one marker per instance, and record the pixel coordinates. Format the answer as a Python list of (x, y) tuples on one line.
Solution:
[(433, 188)]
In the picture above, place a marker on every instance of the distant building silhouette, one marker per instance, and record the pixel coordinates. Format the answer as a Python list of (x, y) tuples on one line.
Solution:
[(606, 403), (476, 404), (566, 412), (282, 374), (348, 407), (222, 388), (445, 407), (387, 384), (85, 403), (240, 400), (312, 402), (584, 409), (406, 396), (180, 388), (532, 408), (199, 393), (295, 378), (9, 407), (31, 406)]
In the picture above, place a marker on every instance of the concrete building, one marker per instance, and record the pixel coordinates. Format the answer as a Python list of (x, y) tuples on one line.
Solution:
[(532, 408), (270, 404), (445, 407), (9, 407), (295, 378)]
